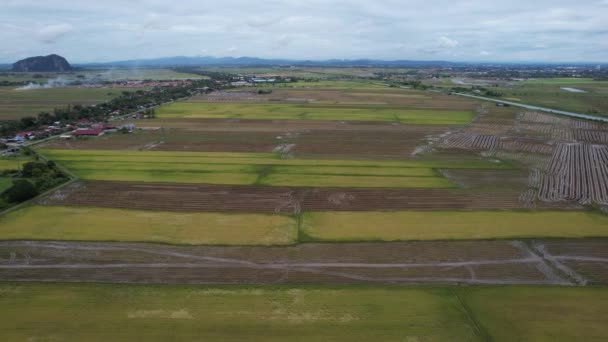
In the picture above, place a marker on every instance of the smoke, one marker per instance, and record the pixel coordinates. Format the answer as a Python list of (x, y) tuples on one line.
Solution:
[(52, 83)]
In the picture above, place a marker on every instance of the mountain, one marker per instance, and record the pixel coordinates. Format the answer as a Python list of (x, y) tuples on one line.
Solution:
[(253, 61), (50, 63)]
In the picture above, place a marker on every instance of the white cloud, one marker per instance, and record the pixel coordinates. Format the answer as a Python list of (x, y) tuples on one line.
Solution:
[(447, 43), (51, 33), (484, 53), (307, 29)]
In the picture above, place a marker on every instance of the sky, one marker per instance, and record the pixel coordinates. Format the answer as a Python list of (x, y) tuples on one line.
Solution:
[(454, 30)]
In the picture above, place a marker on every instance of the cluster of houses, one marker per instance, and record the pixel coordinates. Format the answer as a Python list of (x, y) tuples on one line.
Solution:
[(252, 80), (84, 128)]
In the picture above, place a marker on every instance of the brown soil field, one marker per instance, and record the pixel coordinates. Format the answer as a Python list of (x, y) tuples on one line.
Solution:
[(368, 141), (461, 262), (586, 259), (286, 200)]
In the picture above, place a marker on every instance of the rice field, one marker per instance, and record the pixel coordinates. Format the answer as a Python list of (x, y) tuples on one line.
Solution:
[(451, 225), (256, 168), (154, 313), (361, 112), (160, 313), (97, 224)]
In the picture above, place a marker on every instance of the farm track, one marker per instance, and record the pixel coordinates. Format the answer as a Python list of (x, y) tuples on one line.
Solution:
[(284, 200), (478, 262)]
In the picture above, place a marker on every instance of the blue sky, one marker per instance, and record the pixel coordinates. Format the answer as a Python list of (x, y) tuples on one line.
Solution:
[(109, 30)]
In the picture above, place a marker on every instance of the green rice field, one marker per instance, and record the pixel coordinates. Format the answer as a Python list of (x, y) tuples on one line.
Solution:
[(198, 110), (255, 168)]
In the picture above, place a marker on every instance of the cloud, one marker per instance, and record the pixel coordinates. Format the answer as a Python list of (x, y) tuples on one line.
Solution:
[(447, 43), (484, 53), (307, 29), (51, 33)]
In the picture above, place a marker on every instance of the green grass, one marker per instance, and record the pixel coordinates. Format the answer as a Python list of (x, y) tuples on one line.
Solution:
[(256, 168), (448, 225), (12, 163), (98, 224), (279, 313), (314, 112), (561, 81), (85, 312)]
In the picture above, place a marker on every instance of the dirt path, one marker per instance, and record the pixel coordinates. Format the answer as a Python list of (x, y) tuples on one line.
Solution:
[(480, 262)]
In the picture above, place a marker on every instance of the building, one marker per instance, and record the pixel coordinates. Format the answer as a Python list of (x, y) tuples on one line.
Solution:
[(87, 132)]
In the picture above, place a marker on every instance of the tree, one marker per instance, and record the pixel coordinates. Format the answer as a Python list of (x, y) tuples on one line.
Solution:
[(21, 190), (34, 169)]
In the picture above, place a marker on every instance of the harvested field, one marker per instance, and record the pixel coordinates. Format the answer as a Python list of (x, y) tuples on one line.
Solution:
[(98, 224), (472, 262), (15, 104), (488, 179), (286, 200), (584, 260), (444, 225), (576, 173), (322, 142)]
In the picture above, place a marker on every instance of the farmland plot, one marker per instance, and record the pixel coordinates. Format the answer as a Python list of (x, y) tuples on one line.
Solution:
[(257, 168), (314, 112), (63, 223)]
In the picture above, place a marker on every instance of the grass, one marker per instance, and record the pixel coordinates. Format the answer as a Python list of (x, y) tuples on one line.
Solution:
[(31, 311), (15, 104), (12, 163), (5, 184), (314, 112), (161, 313), (97, 224), (255, 168), (447, 225)]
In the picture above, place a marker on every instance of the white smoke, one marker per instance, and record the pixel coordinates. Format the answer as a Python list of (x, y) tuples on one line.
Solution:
[(52, 83)]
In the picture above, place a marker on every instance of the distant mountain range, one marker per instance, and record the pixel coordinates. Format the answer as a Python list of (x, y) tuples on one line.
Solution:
[(253, 61), (262, 62)]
